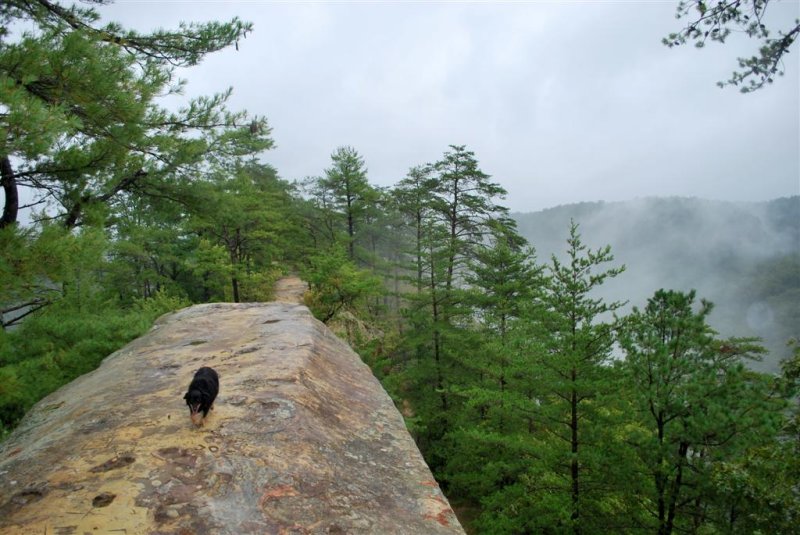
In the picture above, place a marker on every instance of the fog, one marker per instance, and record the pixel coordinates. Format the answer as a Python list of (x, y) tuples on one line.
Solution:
[(731, 253)]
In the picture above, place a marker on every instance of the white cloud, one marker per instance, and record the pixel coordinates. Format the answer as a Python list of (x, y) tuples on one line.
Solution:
[(560, 102)]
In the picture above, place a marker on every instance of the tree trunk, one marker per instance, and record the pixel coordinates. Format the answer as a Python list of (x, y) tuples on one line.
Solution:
[(9, 183), (660, 479), (437, 340), (74, 214), (236, 256), (453, 213), (350, 226), (683, 449), (351, 240), (235, 285), (574, 468), (419, 252)]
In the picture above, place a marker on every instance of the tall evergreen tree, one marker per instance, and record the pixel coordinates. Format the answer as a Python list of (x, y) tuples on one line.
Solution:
[(450, 212), (463, 203), (503, 284), (488, 447), (346, 179), (574, 381), (247, 210), (413, 197), (698, 404), (463, 210)]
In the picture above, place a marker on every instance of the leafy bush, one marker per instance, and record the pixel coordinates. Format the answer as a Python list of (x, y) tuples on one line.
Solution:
[(337, 284), (258, 286)]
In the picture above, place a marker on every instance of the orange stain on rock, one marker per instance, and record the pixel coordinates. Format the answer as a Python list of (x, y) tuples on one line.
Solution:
[(275, 493)]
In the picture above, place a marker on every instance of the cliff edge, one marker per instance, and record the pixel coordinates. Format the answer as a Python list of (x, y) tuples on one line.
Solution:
[(302, 440)]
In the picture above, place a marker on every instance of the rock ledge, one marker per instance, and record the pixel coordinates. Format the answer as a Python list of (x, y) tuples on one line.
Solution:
[(303, 439)]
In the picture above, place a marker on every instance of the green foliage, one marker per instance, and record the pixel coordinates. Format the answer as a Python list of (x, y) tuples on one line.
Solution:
[(42, 269), (531, 426), (83, 123), (451, 212), (64, 341), (716, 22), (502, 367), (210, 265), (566, 391), (346, 180), (704, 416), (142, 203), (247, 212), (337, 285), (758, 487)]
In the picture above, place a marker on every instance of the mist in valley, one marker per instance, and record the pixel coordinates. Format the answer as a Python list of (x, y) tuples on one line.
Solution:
[(743, 257)]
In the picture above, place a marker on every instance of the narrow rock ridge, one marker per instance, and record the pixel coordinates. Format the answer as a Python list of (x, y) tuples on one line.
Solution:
[(302, 439)]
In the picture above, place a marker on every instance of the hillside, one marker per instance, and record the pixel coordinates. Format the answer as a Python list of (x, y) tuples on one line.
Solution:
[(744, 257)]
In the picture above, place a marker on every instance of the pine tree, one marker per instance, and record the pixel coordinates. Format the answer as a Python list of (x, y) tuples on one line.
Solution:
[(504, 285), (697, 403), (413, 196), (346, 179), (462, 213), (572, 381), (449, 208), (83, 126), (247, 211)]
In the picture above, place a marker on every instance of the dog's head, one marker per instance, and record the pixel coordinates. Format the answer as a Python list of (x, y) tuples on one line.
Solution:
[(195, 399)]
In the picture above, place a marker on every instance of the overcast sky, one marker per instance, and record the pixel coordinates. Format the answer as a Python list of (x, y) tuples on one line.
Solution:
[(561, 102)]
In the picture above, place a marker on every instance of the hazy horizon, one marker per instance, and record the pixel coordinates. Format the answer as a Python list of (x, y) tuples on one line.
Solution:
[(718, 248)]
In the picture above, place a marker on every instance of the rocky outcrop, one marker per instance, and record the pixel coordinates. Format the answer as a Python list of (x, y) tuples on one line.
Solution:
[(302, 439)]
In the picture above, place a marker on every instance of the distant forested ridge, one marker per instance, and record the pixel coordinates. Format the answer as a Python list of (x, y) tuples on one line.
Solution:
[(744, 257)]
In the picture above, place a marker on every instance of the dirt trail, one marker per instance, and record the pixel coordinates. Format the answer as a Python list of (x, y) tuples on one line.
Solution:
[(290, 289)]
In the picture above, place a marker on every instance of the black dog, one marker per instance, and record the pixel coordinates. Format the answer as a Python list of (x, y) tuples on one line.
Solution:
[(202, 392)]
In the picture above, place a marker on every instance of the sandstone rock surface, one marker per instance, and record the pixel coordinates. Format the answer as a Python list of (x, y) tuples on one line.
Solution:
[(302, 439)]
